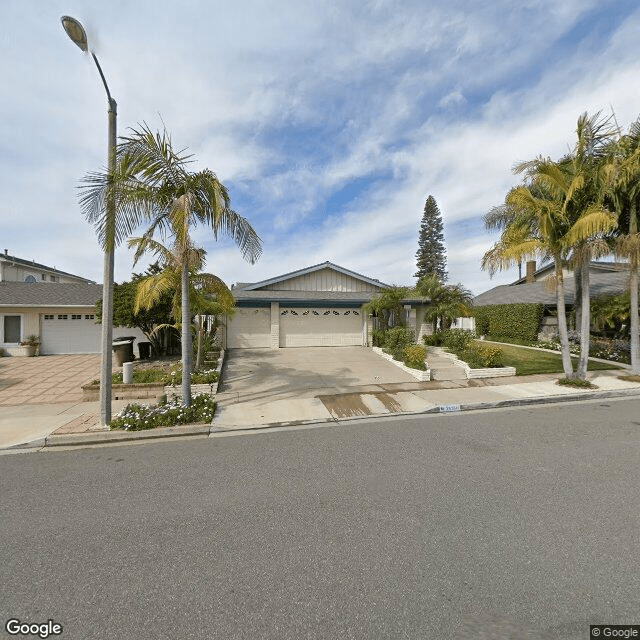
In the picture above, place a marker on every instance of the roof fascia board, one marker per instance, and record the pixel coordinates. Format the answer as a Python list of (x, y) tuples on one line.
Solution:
[(315, 267)]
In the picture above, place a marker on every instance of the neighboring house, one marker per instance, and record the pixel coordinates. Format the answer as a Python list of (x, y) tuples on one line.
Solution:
[(606, 278), (61, 314), (14, 269), (321, 305)]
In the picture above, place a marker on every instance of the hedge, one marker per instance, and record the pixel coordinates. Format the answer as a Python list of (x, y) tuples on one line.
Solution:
[(519, 321)]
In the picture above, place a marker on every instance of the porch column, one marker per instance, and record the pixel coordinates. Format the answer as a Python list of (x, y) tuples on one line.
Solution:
[(275, 325)]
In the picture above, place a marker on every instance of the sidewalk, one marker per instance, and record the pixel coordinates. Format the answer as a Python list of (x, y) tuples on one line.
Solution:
[(74, 424)]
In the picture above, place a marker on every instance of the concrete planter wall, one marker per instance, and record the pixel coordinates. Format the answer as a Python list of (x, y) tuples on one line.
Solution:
[(473, 374), (422, 376), (211, 389), (137, 391)]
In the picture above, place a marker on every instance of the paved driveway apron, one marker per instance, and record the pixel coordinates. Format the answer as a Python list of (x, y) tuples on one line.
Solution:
[(265, 386), (46, 379)]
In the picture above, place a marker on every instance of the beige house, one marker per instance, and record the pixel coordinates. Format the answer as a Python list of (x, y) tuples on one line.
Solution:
[(62, 315), (321, 305), (13, 269)]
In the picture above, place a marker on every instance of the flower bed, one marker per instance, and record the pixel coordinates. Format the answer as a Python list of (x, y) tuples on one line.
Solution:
[(485, 372), (137, 417)]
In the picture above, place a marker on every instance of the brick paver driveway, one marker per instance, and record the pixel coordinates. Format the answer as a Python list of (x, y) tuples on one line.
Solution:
[(46, 379)]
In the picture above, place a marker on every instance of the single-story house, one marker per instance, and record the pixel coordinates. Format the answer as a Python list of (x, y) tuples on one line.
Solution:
[(320, 305), (605, 279), (62, 315)]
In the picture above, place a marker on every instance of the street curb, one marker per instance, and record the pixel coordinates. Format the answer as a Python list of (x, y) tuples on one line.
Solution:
[(38, 443), (106, 437)]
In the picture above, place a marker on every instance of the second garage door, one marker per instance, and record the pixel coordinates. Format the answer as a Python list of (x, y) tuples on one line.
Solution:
[(249, 328), (320, 327)]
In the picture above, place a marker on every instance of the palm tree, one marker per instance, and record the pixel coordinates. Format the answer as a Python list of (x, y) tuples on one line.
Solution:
[(388, 304), (624, 164), (533, 223), (564, 201), (446, 301), (152, 184), (208, 295)]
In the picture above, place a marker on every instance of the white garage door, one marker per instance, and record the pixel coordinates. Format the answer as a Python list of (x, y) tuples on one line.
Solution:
[(70, 333), (249, 328), (320, 327)]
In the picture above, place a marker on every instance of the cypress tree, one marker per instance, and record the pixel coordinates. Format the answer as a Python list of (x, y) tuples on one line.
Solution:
[(430, 257)]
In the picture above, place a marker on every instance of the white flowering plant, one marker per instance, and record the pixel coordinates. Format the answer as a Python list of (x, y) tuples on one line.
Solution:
[(138, 417)]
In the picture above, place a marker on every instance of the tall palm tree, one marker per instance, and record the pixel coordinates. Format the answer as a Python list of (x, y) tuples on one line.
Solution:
[(575, 220), (152, 184), (624, 164)]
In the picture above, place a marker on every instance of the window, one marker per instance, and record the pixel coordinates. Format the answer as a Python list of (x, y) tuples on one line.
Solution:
[(11, 326), (31, 279), (53, 278), (44, 277), (62, 316), (76, 316), (89, 316), (48, 316)]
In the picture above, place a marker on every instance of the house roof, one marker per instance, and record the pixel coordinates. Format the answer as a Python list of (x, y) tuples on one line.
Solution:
[(252, 286), (49, 294), (603, 283), (595, 267), (36, 265)]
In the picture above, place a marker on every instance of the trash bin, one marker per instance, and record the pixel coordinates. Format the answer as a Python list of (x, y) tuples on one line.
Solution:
[(144, 349), (123, 349)]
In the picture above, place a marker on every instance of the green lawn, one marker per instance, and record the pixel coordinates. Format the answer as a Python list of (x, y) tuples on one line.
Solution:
[(529, 361)]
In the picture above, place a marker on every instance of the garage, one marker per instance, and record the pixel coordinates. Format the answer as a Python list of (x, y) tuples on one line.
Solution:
[(320, 327), (249, 328), (70, 333)]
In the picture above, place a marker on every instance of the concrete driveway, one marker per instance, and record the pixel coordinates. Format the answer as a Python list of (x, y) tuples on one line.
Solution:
[(266, 386)]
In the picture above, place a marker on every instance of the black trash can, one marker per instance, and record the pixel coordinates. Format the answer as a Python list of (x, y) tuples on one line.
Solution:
[(123, 349), (144, 349)]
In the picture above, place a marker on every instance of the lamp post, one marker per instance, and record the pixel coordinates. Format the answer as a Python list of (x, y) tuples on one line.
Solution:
[(78, 35)]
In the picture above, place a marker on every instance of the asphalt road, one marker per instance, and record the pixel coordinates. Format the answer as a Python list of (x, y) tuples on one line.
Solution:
[(486, 525)]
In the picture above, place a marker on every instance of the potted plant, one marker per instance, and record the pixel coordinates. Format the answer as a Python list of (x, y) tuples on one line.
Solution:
[(31, 345)]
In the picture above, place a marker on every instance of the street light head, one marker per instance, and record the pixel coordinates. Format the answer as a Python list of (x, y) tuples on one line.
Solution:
[(76, 32)]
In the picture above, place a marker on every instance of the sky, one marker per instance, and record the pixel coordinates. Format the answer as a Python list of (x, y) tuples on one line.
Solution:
[(329, 123)]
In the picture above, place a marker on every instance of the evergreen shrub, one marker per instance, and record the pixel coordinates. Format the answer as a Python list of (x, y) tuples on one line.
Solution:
[(414, 357), (520, 321)]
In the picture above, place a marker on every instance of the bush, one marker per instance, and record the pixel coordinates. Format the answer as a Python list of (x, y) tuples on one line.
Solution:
[(482, 356), (520, 321), (378, 337), (414, 357), (434, 340), (457, 340), (137, 417), (197, 377), (398, 337)]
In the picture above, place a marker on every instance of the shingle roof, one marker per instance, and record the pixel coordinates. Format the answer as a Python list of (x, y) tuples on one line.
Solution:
[(49, 294), (601, 284)]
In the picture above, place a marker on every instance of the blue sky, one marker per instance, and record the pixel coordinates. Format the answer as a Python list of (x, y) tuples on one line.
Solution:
[(329, 123)]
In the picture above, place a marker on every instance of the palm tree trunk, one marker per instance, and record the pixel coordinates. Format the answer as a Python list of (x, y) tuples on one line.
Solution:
[(562, 322), (186, 337), (199, 349), (634, 321), (585, 320)]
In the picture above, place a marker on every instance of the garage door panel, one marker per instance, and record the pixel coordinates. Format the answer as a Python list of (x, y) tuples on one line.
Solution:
[(320, 327), (249, 328), (67, 335)]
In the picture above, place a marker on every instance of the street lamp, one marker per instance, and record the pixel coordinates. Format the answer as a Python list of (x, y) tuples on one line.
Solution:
[(78, 35)]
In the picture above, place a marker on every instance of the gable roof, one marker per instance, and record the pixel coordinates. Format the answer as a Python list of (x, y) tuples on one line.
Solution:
[(252, 286), (49, 294), (596, 266), (36, 265)]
